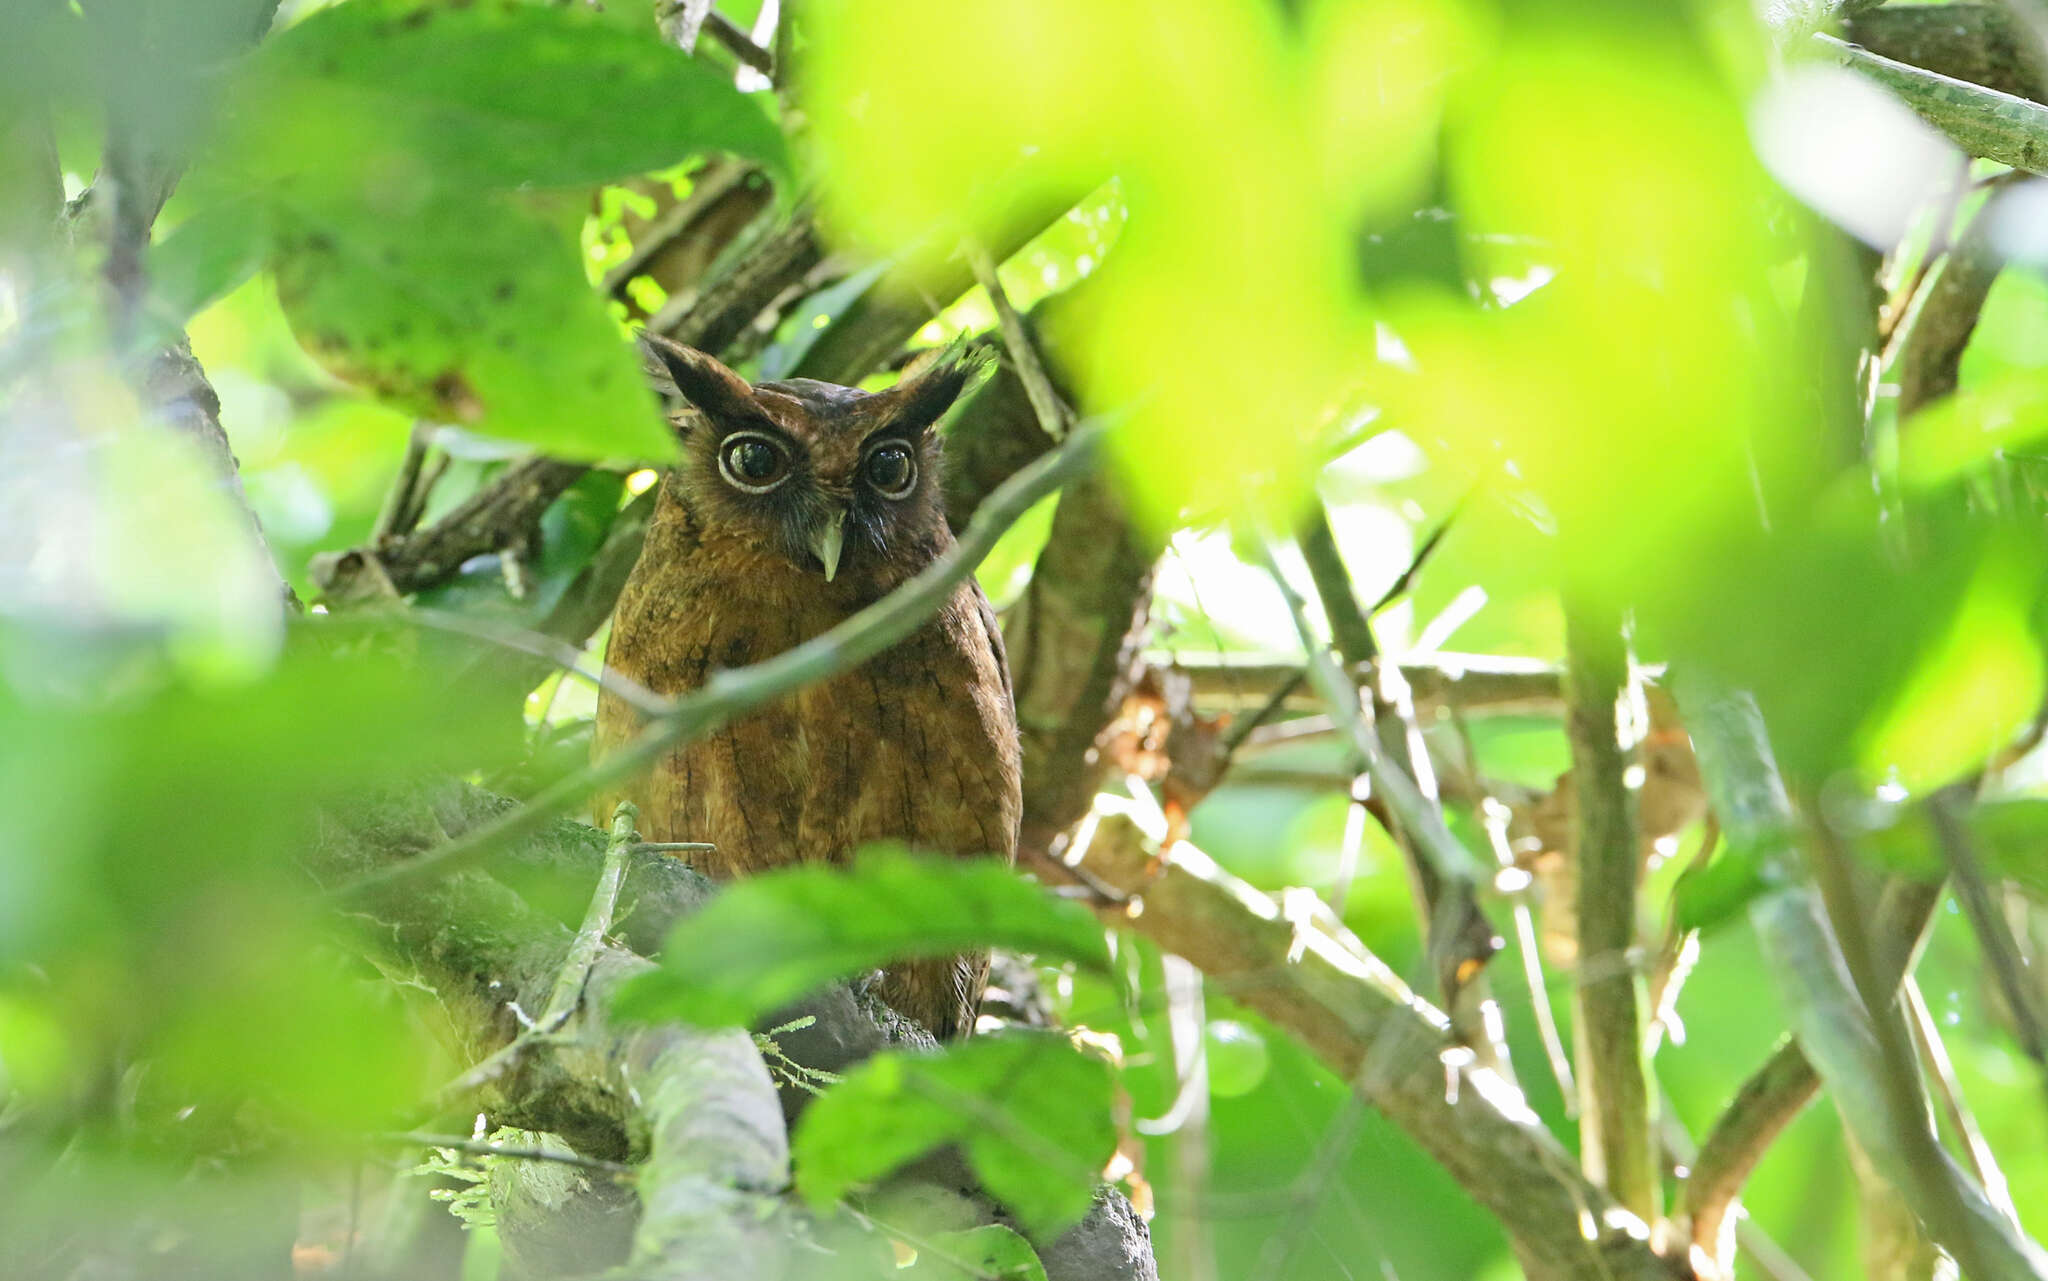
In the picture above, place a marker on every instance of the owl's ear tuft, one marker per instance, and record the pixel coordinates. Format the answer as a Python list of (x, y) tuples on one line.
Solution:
[(720, 393), (929, 389)]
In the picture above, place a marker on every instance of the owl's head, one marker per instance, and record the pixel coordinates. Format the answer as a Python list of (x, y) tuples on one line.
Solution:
[(840, 482)]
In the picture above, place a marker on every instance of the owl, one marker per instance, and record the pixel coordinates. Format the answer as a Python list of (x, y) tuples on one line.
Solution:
[(797, 504)]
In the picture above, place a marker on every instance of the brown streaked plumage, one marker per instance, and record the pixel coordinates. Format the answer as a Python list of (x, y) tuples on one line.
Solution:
[(919, 744)]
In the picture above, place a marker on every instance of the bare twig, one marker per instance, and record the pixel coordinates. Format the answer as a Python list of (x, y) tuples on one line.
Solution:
[(1493, 816), (1778, 1091), (566, 995), (597, 922), (1351, 849), (478, 1147), (1406, 579), (1994, 936), (519, 640), (1350, 630), (1838, 1005), (400, 513), (1675, 955), (732, 693), (1680, 1154), (1451, 859), (1941, 319), (1767, 1254), (1242, 727), (499, 515), (739, 43), (1618, 1144), (1312, 1184), (1446, 876), (1187, 1120), (1949, 1092), (1053, 415), (892, 310), (1479, 684)]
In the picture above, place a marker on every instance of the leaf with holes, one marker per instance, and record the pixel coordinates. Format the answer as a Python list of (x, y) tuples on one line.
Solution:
[(371, 98), (472, 312), (990, 1252), (1031, 1113)]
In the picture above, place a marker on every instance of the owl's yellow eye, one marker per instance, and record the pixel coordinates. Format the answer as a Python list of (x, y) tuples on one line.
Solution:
[(891, 470), (753, 462)]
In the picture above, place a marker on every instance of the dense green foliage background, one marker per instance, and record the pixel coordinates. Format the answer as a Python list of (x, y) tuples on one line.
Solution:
[(1516, 269)]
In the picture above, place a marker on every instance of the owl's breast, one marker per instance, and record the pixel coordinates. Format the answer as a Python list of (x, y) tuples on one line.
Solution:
[(919, 744)]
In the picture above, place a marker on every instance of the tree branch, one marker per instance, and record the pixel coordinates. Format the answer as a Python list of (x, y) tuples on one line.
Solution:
[(1983, 122), (1451, 860), (761, 264), (1459, 937), (1943, 317), (691, 1112), (1481, 684), (477, 1147), (695, 1109), (1074, 640), (739, 43), (875, 325), (499, 515), (1977, 43), (1354, 1014), (1618, 1143), (1834, 997), (1777, 1092), (1987, 922), (1051, 410)]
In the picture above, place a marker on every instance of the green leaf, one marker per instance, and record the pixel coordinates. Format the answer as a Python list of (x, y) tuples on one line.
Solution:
[(1708, 896), (2010, 836), (204, 258), (1238, 1058), (988, 1253), (44, 54), (374, 95), (1031, 1112), (472, 312), (765, 941)]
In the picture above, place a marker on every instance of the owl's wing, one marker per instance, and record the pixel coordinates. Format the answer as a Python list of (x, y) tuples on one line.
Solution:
[(987, 614)]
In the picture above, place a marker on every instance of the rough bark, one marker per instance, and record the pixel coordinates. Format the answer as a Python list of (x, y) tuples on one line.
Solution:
[(1074, 642), (1943, 319), (1614, 1097), (1980, 43), (696, 1110)]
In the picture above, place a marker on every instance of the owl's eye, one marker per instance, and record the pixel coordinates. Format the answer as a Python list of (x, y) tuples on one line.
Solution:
[(891, 470), (753, 462)]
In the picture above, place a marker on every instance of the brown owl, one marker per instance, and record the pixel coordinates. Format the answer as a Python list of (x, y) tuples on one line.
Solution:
[(797, 504)]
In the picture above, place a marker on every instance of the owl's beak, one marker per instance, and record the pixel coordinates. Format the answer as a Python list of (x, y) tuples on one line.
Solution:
[(828, 540)]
